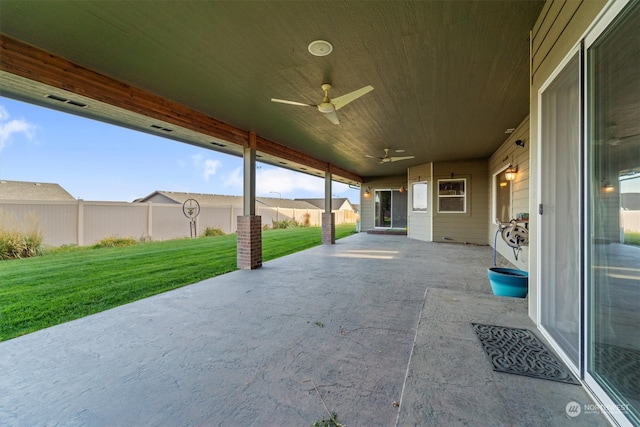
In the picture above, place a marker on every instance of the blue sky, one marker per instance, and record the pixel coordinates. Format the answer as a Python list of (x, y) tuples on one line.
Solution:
[(97, 161)]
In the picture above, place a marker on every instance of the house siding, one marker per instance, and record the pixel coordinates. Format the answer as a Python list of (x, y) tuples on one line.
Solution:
[(510, 153), (367, 203), (469, 227), (419, 223), (554, 35)]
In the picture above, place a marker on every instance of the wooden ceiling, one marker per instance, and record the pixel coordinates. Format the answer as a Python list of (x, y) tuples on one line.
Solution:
[(449, 77)]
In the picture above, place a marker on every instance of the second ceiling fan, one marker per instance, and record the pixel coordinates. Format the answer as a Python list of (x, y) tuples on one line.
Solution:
[(389, 159), (328, 106)]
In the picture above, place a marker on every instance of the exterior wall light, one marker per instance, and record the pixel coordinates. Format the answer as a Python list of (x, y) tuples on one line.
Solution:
[(510, 173), (367, 192), (608, 188)]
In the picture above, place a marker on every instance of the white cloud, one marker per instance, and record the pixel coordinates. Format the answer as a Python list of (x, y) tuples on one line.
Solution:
[(234, 180), (289, 184), (196, 160), (204, 166), (285, 182), (210, 168), (9, 128)]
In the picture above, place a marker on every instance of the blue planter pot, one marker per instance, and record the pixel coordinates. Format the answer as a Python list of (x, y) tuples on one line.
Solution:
[(508, 282)]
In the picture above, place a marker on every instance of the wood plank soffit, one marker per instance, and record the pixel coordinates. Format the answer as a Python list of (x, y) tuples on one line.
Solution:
[(32, 63)]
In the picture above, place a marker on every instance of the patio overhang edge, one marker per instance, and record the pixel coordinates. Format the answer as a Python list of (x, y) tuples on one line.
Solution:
[(30, 62)]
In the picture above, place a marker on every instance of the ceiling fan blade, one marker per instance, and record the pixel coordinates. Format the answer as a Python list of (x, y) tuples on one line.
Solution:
[(395, 159), (284, 101), (373, 157), (332, 117), (343, 100)]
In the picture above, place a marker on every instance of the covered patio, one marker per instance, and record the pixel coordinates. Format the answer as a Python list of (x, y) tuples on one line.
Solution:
[(381, 325)]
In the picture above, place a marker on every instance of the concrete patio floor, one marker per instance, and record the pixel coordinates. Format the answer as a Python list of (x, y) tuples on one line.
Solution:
[(371, 320)]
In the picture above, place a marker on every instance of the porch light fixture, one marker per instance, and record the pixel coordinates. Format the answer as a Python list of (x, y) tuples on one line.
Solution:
[(367, 192), (403, 189), (608, 188), (510, 173)]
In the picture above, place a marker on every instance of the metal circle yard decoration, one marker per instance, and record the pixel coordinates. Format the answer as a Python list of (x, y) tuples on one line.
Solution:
[(191, 209)]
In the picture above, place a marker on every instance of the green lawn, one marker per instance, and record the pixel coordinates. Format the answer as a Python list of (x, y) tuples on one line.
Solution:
[(67, 284), (632, 238)]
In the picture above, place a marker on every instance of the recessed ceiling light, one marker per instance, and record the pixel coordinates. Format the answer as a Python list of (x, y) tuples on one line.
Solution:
[(320, 48)]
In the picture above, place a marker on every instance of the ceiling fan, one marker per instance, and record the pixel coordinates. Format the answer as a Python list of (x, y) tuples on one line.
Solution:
[(328, 106), (388, 159)]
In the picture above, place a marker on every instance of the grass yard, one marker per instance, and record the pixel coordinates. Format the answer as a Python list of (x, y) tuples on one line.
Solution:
[(70, 283), (632, 238)]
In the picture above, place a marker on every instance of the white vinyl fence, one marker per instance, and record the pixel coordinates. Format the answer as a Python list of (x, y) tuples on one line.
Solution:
[(630, 221), (85, 223)]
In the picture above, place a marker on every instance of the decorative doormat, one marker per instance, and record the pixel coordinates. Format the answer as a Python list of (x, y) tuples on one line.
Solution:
[(520, 352)]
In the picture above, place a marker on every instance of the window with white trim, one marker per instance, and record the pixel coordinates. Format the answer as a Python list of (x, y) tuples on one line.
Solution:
[(419, 196), (452, 195), (501, 197)]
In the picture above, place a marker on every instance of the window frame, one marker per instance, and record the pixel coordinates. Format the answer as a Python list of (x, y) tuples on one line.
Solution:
[(494, 204), (426, 197), (462, 196)]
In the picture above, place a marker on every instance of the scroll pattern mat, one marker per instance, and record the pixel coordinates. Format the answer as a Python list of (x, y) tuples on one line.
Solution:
[(519, 351)]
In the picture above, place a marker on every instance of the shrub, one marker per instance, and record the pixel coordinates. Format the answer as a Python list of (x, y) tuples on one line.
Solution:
[(307, 220), (20, 241), (115, 242), (213, 231), (285, 223)]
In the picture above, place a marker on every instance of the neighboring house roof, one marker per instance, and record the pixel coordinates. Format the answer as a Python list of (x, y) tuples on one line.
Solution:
[(221, 200), (284, 203), (337, 204), (22, 190), (630, 201), (180, 197)]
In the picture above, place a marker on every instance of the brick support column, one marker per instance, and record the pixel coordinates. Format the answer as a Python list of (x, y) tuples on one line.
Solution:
[(249, 242), (328, 228)]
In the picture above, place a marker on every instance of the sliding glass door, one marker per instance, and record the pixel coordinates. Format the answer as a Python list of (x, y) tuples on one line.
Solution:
[(560, 209), (613, 235), (390, 209)]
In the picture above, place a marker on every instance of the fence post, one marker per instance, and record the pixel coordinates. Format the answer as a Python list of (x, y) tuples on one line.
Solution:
[(80, 223), (150, 220)]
